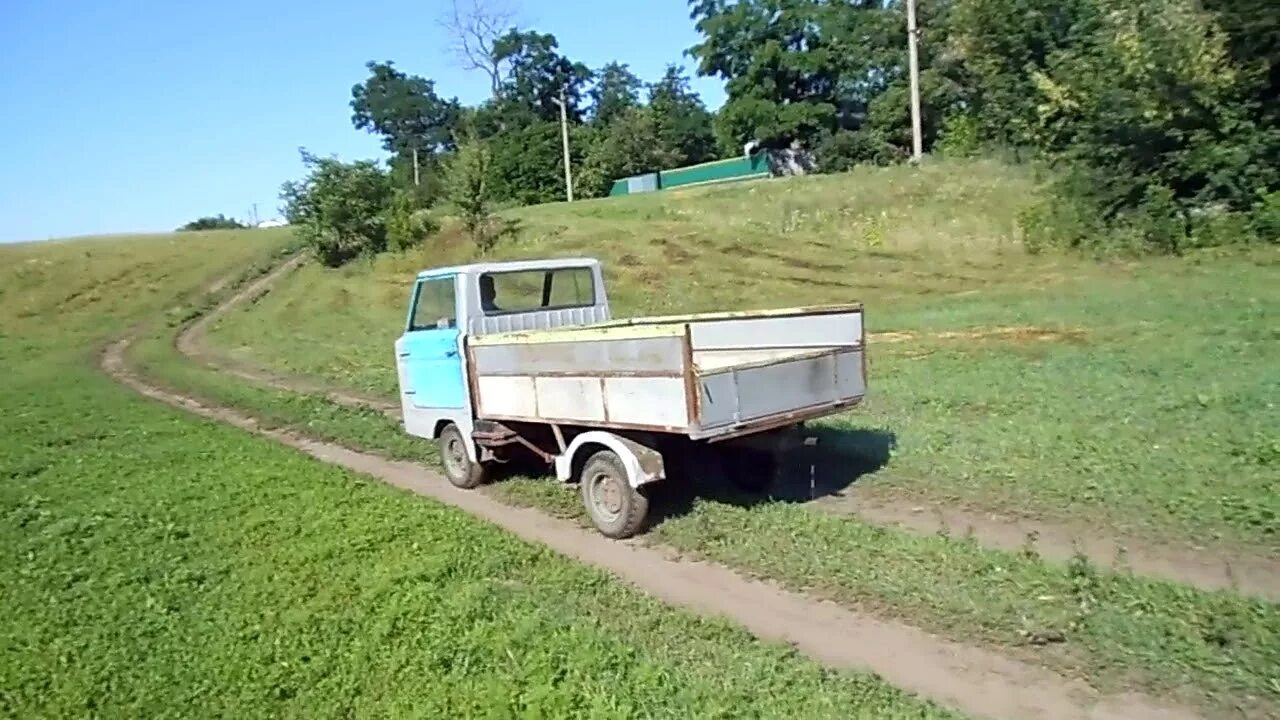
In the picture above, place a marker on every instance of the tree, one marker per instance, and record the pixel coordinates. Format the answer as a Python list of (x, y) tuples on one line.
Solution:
[(405, 110), (528, 162), (1150, 113), (469, 188), (681, 122), (1003, 44), (339, 209), (539, 76), (794, 69), (617, 89), (474, 27), (1252, 28), (213, 222), (630, 145)]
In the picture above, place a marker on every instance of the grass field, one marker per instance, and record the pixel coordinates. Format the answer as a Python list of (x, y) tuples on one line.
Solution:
[(158, 565), (161, 560), (1120, 631), (1140, 397)]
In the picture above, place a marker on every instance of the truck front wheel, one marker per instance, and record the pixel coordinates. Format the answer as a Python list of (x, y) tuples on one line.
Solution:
[(617, 509), (461, 470)]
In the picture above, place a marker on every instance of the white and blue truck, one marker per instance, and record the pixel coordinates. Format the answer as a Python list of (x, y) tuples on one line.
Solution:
[(499, 360)]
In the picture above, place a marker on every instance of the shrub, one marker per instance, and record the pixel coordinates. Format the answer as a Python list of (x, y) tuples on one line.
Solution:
[(409, 223), (841, 151), (1264, 217), (213, 222), (468, 188), (339, 209), (960, 136)]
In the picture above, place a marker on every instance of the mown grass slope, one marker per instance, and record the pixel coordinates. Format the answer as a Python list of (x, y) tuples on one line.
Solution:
[(160, 565), (1136, 396)]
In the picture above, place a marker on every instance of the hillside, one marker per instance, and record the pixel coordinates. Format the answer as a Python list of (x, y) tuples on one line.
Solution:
[(1042, 385)]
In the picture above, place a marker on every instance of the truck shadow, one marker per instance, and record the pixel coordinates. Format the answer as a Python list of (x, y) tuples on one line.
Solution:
[(836, 459)]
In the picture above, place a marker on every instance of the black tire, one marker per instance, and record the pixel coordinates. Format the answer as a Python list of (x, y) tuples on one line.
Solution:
[(617, 509), (458, 467)]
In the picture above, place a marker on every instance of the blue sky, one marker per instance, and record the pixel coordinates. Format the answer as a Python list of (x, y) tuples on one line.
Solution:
[(138, 115)]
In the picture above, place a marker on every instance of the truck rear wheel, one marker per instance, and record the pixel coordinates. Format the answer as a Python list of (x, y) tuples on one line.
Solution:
[(617, 509), (461, 470)]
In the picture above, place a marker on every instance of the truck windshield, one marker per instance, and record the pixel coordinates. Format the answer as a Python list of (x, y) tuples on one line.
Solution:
[(526, 290)]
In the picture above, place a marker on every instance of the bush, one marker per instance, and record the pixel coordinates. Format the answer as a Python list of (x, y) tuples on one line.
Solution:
[(841, 151), (1219, 226), (340, 209), (1264, 217), (213, 222), (629, 146), (468, 188), (960, 137), (409, 223)]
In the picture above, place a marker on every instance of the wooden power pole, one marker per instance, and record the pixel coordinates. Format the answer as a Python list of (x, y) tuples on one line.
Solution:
[(913, 60), (564, 139)]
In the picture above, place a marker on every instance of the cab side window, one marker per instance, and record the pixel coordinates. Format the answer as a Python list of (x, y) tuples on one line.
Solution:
[(434, 307)]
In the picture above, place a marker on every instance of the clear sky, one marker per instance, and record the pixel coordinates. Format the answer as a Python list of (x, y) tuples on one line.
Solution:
[(139, 115)]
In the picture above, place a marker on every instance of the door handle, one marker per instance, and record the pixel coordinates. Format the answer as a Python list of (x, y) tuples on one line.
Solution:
[(403, 354), (451, 354)]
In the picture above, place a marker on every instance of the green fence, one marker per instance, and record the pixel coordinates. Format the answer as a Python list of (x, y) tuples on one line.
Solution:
[(742, 168)]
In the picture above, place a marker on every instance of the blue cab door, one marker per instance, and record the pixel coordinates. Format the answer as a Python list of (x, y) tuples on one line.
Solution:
[(428, 351)]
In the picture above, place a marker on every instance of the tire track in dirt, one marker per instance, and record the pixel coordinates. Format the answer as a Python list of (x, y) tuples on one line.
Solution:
[(974, 680), (191, 343), (1203, 567)]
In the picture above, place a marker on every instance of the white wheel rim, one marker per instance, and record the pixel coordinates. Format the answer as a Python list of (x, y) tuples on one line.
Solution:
[(606, 496)]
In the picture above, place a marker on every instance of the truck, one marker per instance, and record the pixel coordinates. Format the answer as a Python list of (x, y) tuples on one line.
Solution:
[(505, 361)]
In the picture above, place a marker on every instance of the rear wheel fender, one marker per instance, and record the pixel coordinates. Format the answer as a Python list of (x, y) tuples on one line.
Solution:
[(643, 464)]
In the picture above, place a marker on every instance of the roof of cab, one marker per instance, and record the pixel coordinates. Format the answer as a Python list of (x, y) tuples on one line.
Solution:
[(512, 266)]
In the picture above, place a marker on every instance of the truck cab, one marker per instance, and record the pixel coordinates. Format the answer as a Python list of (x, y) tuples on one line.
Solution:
[(449, 305)]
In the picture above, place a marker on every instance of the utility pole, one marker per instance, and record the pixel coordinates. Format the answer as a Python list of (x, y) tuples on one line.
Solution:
[(564, 138), (913, 51), (415, 165)]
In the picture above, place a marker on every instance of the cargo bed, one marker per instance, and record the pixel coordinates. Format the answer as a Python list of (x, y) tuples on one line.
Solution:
[(711, 376)]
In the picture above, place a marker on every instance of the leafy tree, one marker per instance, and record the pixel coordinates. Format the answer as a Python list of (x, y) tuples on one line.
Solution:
[(1146, 107), (1252, 28), (468, 182), (339, 209), (538, 75), (406, 111), (1002, 45), (617, 90), (794, 69), (528, 162), (213, 222), (682, 123), (631, 145)]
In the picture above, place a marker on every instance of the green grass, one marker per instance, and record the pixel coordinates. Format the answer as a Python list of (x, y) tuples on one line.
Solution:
[(1121, 632), (1151, 413), (1147, 411), (160, 565)]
